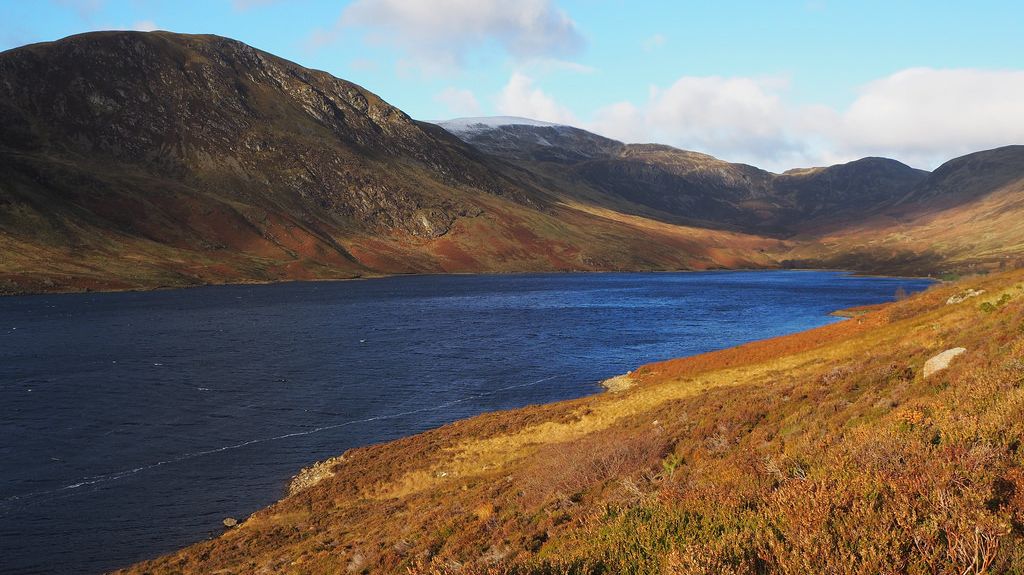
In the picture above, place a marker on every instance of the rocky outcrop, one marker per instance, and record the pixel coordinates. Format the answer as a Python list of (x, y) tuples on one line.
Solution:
[(941, 361), (964, 295), (228, 118), (618, 383), (309, 476)]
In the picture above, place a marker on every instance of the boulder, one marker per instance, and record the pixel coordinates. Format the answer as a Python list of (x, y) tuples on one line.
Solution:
[(309, 476), (941, 361), (618, 383), (966, 294)]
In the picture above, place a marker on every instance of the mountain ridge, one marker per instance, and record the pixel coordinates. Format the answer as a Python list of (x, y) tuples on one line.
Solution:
[(137, 160), (121, 172), (680, 182), (872, 214)]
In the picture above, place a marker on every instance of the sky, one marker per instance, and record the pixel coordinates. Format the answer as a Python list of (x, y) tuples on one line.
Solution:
[(777, 84)]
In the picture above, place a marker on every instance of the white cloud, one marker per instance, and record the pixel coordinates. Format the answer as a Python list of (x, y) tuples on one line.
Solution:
[(554, 65), (459, 102), (441, 33), (145, 26), (520, 97), (926, 115), (623, 121), (920, 116), (740, 119)]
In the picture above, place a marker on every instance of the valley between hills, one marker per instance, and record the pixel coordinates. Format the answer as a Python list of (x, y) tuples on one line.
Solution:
[(150, 160)]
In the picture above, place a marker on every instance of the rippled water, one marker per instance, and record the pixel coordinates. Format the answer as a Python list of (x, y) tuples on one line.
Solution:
[(132, 423)]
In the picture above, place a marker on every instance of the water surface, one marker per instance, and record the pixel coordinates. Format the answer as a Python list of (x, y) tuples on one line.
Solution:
[(131, 424)]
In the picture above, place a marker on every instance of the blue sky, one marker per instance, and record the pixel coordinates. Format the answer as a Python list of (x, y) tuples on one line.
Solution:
[(777, 84)]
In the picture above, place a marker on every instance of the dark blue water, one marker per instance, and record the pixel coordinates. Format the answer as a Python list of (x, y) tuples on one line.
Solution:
[(131, 424)]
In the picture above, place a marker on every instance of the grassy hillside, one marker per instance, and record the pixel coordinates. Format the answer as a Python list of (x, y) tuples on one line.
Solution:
[(825, 451), (140, 160), (965, 217)]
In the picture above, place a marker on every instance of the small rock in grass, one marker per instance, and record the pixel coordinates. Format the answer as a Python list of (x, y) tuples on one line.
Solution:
[(941, 361), (618, 383), (966, 294)]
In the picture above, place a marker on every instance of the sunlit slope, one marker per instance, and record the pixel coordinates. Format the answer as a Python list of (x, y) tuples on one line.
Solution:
[(872, 214), (825, 451), (967, 216)]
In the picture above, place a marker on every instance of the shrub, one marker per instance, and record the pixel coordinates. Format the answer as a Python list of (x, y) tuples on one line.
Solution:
[(670, 463), (568, 469), (989, 307)]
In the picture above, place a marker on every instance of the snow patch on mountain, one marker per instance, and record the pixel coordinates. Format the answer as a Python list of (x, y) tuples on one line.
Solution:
[(466, 126)]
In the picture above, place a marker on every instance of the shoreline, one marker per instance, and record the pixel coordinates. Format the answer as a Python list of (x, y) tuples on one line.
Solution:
[(317, 471), (747, 279), (490, 458), (376, 276)]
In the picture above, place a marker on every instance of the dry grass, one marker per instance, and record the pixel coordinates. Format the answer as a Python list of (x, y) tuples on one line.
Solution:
[(822, 452), (983, 234)]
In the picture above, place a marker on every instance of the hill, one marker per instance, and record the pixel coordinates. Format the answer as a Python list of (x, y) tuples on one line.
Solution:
[(966, 216), (690, 187), (132, 160), (138, 160), (873, 214), (833, 450)]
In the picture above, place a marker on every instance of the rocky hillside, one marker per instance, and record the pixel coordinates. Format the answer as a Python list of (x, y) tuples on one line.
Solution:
[(968, 178), (144, 159), (848, 449), (846, 192), (691, 187)]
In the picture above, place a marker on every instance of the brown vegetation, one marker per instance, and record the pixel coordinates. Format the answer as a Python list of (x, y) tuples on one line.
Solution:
[(141, 160), (820, 452)]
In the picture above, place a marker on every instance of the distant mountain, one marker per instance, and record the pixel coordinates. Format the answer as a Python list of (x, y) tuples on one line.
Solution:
[(846, 191), (967, 215), (692, 187), (465, 126), (872, 214), (525, 139), (969, 177)]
